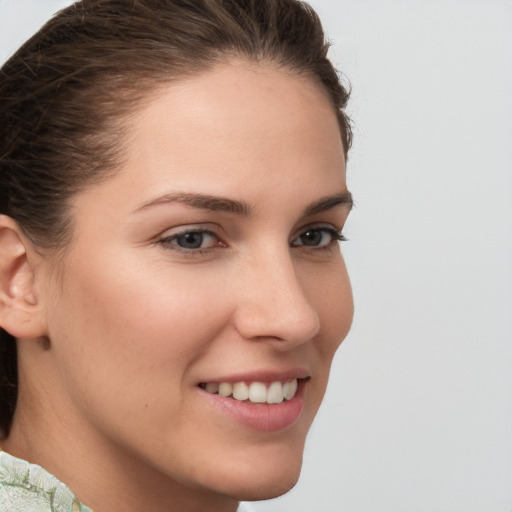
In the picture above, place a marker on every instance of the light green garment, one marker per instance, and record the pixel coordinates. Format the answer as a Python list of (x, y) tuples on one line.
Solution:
[(26, 487)]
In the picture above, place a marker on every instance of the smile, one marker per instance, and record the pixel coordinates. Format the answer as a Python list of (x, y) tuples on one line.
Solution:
[(262, 402), (274, 392)]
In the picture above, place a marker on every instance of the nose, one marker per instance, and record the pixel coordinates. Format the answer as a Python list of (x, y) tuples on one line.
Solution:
[(272, 303)]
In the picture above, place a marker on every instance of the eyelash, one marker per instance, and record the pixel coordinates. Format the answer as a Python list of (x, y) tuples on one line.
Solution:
[(170, 241), (336, 236)]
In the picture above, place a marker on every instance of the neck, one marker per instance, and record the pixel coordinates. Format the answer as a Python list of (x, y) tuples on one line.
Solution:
[(109, 482), (103, 475)]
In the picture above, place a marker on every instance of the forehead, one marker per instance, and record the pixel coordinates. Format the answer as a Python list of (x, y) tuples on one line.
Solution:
[(241, 107), (241, 127)]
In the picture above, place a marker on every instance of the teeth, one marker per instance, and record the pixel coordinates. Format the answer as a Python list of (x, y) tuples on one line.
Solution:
[(275, 393), (212, 387), (225, 389), (256, 392), (292, 389), (240, 391)]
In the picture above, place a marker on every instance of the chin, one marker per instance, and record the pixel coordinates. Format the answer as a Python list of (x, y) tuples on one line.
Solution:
[(263, 474), (257, 487)]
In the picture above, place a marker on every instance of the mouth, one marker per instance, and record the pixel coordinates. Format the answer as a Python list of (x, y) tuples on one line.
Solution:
[(262, 400), (274, 392)]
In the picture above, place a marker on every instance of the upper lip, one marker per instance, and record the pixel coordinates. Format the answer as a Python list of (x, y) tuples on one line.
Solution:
[(262, 376)]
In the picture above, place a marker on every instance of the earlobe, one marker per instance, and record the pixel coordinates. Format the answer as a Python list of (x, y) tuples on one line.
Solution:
[(21, 312)]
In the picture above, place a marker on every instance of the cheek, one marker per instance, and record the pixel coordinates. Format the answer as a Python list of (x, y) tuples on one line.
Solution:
[(122, 329), (331, 294)]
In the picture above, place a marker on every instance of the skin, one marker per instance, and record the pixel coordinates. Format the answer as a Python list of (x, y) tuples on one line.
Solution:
[(109, 396)]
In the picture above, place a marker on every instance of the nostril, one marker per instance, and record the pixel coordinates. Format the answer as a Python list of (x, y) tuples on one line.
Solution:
[(273, 305), (289, 323)]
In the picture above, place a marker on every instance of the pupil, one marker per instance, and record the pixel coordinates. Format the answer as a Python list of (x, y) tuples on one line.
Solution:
[(312, 238), (190, 240)]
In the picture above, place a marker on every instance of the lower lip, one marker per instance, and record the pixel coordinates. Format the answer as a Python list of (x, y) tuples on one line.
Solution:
[(264, 417)]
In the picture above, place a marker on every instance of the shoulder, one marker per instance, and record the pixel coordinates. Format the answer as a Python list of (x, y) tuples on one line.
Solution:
[(26, 487)]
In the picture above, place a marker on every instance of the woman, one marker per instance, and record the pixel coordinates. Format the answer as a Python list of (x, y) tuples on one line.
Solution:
[(172, 290)]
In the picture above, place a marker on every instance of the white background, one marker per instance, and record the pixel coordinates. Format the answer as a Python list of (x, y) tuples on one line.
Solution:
[(418, 415)]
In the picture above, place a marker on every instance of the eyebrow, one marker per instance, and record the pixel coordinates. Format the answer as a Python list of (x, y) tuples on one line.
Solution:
[(326, 203), (241, 208), (203, 202)]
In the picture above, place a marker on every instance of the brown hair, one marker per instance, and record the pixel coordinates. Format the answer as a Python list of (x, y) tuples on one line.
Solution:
[(66, 91)]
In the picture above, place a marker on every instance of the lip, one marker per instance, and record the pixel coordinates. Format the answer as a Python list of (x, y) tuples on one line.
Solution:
[(262, 376), (262, 417)]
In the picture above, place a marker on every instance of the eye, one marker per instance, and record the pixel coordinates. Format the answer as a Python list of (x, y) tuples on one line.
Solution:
[(318, 237), (191, 240)]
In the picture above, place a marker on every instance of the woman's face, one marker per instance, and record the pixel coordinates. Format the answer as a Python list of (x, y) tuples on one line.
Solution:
[(208, 265)]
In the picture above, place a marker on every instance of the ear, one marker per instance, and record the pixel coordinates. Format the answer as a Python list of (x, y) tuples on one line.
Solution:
[(21, 313)]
